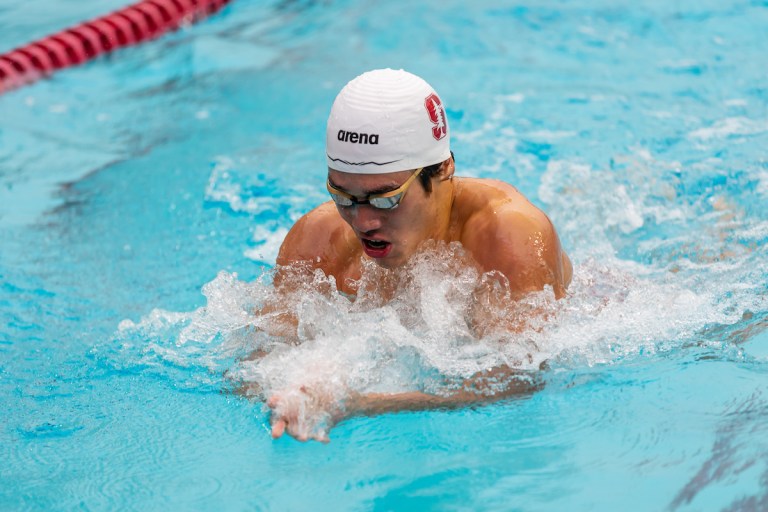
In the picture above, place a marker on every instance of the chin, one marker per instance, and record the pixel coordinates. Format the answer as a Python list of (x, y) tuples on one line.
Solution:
[(391, 262), (389, 265)]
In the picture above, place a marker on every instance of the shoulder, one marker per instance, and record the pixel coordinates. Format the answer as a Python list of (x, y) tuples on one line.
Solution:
[(504, 231), (492, 207), (314, 235)]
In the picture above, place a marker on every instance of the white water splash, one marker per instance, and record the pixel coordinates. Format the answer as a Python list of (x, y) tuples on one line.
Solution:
[(730, 126), (421, 338), (240, 186), (417, 329)]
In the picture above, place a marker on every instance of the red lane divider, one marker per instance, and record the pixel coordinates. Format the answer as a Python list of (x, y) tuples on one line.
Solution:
[(131, 25)]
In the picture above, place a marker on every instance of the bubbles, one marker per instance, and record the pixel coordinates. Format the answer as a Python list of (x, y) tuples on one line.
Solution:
[(193, 348), (660, 262), (426, 327)]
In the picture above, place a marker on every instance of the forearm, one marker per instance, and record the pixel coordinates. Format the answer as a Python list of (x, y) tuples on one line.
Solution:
[(482, 388), (308, 411), (370, 404)]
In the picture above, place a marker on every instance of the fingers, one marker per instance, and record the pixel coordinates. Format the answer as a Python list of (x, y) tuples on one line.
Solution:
[(279, 424), (289, 416), (278, 427), (302, 433), (298, 432), (282, 423)]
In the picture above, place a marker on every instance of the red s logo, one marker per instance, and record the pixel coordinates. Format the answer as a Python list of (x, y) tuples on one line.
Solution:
[(436, 115)]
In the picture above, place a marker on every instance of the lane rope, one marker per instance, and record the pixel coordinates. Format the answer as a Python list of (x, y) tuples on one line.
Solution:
[(134, 24)]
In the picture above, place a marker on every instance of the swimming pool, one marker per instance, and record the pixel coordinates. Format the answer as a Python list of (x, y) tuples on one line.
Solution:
[(131, 184)]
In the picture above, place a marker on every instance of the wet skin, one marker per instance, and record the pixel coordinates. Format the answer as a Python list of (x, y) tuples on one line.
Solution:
[(496, 224), (499, 227)]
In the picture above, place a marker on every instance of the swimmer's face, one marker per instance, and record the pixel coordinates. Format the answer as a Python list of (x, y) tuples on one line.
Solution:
[(388, 236)]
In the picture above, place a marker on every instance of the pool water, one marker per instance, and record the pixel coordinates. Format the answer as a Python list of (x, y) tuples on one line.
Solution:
[(143, 198)]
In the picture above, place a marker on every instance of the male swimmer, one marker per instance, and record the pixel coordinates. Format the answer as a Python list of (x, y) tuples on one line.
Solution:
[(392, 186)]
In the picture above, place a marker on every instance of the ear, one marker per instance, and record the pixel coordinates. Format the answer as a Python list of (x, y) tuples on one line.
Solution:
[(447, 169)]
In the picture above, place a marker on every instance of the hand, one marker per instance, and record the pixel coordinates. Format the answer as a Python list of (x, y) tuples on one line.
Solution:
[(305, 413)]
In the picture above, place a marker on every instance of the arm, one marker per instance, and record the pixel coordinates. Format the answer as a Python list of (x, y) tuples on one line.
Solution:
[(486, 387), (309, 242), (315, 242), (310, 412), (319, 240), (520, 242)]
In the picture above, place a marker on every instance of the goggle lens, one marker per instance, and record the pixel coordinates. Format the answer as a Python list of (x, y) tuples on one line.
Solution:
[(387, 201), (341, 200)]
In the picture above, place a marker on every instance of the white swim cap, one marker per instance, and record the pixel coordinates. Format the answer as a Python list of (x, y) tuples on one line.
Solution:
[(386, 121)]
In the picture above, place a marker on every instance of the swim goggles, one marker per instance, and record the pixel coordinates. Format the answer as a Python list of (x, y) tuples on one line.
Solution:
[(386, 201)]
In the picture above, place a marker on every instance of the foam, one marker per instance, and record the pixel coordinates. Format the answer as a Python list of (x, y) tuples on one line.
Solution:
[(235, 185), (731, 126), (229, 187), (267, 244), (419, 337), (412, 330)]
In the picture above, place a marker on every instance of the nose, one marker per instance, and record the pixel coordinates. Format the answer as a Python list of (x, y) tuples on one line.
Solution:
[(365, 218)]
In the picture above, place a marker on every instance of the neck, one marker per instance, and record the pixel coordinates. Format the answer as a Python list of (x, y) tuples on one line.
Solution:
[(446, 227)]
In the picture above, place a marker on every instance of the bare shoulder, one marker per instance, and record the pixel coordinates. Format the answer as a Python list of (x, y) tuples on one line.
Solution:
[(315, 237), (495, 205), (504, 231)]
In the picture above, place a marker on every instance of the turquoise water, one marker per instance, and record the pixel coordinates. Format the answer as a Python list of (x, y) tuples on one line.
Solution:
[(143, 197)]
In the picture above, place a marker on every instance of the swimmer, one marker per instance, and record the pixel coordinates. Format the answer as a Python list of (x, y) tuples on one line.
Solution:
[(392, 182)]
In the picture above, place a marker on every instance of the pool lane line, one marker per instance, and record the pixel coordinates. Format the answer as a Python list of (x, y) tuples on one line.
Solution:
[(134, 24)]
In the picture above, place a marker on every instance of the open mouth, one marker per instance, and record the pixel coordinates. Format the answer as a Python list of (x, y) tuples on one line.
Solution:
[(376, 248)]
